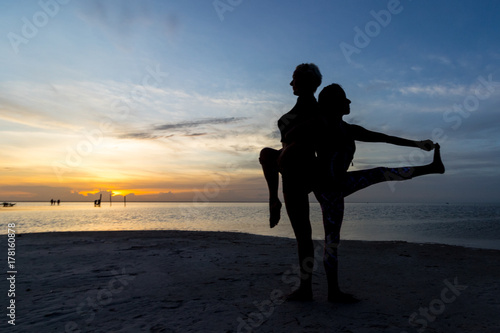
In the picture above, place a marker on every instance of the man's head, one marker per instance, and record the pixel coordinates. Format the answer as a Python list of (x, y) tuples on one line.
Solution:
[(306, 79)]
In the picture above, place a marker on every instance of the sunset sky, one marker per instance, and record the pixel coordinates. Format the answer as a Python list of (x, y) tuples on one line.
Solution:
[(173, 100)]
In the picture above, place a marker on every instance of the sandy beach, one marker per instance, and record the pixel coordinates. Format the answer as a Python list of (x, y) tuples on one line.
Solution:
[(177, 281)]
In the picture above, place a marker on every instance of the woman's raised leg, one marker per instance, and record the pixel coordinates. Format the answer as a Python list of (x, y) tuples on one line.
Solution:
[(358, 180), (269, 160)]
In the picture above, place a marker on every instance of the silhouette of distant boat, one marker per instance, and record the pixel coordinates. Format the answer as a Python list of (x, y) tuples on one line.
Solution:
[(8, 204)]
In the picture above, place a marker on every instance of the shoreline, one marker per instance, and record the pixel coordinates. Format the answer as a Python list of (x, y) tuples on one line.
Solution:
[(371, 222), (192, 281), (478, 245)]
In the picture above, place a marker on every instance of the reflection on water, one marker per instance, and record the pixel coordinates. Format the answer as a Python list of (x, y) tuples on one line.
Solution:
[(471, 225)]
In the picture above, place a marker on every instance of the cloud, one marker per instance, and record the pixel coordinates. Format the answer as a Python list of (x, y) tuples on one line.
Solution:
[(121, 21), (39, 193), (67, 107), (434, 90), (375, 85), (196, 134), (417, 69), (197, 123), (443, 60), (36, 106), (139, 136), (155, 132)]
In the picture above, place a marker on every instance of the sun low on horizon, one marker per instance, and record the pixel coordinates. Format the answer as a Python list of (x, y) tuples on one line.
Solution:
[(173, 101)]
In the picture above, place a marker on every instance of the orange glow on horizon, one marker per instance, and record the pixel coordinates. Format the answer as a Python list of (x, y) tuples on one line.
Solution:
[(20, 194), (134, 192), (86, 193)]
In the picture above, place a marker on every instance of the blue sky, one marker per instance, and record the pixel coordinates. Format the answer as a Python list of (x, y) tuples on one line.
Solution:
[(172, 100)]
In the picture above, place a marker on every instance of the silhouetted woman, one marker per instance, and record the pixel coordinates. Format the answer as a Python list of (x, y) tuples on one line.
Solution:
[(335, 153)]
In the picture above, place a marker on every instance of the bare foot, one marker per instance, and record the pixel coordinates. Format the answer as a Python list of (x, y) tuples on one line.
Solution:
[(275, 213), (437, 163)]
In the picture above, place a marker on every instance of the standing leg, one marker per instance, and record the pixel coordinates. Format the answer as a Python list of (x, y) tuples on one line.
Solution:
[(332, 206), (269, 160), (297, 206)]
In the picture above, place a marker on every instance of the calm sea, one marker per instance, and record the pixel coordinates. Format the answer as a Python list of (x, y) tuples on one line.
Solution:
[(473, 225)]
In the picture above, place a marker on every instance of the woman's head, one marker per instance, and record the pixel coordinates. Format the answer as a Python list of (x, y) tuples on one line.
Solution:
[(306, 79), (333, 101)]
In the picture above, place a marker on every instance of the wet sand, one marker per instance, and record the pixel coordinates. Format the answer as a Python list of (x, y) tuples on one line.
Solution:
[(177, 281)]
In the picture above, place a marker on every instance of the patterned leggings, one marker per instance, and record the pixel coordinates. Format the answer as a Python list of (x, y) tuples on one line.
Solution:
[(332, 205)]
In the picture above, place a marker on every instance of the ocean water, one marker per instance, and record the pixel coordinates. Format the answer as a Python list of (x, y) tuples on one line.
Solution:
[(472, 225)]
